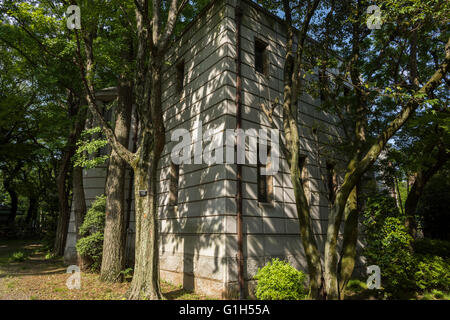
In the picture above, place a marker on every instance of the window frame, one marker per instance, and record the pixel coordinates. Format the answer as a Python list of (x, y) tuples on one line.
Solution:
[(261, 46)]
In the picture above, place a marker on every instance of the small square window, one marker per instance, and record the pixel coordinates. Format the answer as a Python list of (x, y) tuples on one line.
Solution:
[(180, 76), (261, 58)]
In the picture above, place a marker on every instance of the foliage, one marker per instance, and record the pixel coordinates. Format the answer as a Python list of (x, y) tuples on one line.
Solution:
[(127, 274), (436, 294), (388, 245), (433, 207), (88, 145), (280, 281), (433, 247), (433, 272), (18, 256), (91, 243), (356, 285)]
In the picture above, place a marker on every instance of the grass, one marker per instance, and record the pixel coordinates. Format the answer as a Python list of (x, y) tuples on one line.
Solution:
[(357, 290), (18, 256), (435, 295), (36, 275)]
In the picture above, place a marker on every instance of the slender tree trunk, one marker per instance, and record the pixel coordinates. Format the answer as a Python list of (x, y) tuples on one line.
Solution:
[(79, 207), (30, 219), (63, 205), (421, 179), (113, 258), (10, 188), (14, 204), (62, 184)]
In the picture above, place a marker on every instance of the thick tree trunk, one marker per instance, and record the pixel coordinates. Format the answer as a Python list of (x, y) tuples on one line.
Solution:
[(308, 241), (113, 259), (145, 283), (347, 259)]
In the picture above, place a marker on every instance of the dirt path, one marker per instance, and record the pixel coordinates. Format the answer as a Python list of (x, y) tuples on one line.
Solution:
[(38, 278)]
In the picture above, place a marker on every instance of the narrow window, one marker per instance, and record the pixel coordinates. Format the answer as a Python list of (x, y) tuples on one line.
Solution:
[(331, 182), (261, 59), (173, 188), (180, 76), (265, 182)]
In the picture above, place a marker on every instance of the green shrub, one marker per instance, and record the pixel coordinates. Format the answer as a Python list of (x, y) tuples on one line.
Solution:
[(280, 281), (434, 247), (18, 256), (356, 285), (433, 272), (90, 245), (388, 245)]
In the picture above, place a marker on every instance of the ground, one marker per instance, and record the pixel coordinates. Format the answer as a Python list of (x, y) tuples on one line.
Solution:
[(39, 278)]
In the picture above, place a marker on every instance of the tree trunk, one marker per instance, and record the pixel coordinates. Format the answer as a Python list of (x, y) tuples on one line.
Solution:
[(62, 185), (79, 208), (113, 258), (14, 204), (421, 179), (63, 204), (145, 283), (30, 219), (347, 260), (309, 243)]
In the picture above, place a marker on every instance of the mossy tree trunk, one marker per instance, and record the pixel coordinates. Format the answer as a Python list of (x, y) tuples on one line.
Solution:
[(152, 43), (114, 243), (79, 208)]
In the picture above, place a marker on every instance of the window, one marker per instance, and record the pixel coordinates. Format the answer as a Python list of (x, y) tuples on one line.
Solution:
[(261, 59), (331, 182), (180, 76), (173, 187), (265, 182)]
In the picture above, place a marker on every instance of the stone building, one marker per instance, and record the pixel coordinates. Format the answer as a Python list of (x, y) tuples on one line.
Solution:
[(199, 223)]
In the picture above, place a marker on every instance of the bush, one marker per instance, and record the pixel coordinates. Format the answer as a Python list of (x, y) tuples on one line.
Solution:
[(403, 272), (356, 285), (90, 246), (18, 256), (433, 272), (280, 281), (388, 245)]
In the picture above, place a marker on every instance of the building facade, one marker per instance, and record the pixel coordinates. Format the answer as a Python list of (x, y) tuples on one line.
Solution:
[(198, 211)]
